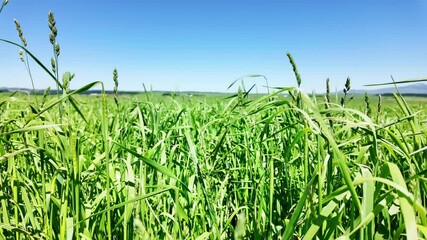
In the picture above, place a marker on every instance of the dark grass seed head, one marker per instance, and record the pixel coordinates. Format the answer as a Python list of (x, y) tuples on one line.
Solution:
[(116, 85), (295, 69), (328, 91), (367, 104), (347, 86)]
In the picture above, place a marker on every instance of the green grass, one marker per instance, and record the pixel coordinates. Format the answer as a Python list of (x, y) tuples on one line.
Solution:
[(202, 167), (272, 166)]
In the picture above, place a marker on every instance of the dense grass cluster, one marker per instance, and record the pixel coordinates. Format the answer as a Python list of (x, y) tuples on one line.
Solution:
[(210, 168), (273, 166)]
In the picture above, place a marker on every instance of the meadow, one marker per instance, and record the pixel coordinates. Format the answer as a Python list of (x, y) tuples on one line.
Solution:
[(211, 167), (283, 165)]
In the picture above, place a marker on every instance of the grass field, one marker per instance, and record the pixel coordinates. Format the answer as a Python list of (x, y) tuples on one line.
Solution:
[(284, 165), (211, 167)]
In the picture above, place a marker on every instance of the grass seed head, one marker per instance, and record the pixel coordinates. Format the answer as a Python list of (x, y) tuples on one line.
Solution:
[(21, 55), (57, 49), (346, 90), (379, 107), (53, 31), (20, 32), (115, 78), (116, 85), (66, 79), (367, 104), (52, 62), (3, 4), (328, 91), (45, 95), (328, 94), (51, 20), (52, 38), (347, 85), (294, 66)]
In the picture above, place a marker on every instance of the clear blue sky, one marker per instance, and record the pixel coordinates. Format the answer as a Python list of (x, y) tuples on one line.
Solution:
[(205, 45)]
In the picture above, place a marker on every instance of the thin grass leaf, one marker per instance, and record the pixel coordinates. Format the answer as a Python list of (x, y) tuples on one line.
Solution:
[(151, 163), (290, 226), (397, 82), (36, 60), (405, 205)]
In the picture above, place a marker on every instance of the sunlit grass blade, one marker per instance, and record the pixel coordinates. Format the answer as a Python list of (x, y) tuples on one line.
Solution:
[(406, 207), (290, 226), (398, 82), (155, 165)]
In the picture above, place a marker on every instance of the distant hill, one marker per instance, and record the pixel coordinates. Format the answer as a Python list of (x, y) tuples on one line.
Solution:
[(416, 89), (92, 92), (411, 89)]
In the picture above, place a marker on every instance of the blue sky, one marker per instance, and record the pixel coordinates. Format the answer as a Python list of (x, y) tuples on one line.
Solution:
[(206, 45)]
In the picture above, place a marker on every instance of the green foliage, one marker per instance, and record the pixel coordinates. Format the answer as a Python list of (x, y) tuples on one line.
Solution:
[(213, 169)]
